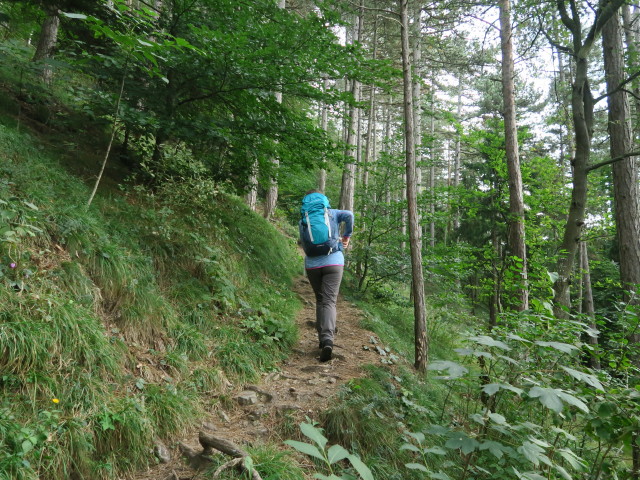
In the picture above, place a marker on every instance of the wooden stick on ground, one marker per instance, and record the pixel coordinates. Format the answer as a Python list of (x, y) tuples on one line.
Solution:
[(209, 442)]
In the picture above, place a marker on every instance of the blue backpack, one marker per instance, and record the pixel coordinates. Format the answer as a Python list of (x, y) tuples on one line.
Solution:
[(316, 232)]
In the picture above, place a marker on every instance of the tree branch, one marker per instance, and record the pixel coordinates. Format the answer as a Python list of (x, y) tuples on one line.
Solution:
[(618, 88), (612, 160), (564, 15), (553, 43)]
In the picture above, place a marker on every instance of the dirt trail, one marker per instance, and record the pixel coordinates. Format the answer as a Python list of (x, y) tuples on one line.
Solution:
[(302, 387)]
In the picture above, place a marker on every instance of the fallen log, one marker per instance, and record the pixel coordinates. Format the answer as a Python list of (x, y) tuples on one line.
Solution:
[(223, 445), (199, 460)]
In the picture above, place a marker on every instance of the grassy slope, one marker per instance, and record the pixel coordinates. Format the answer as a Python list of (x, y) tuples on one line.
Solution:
[(121, 323)]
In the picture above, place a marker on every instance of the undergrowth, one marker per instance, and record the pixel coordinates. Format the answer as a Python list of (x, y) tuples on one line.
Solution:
[(122, 323)]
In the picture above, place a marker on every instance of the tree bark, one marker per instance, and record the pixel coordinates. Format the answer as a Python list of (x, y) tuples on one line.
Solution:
[(47, 40), (582, 116), (347, 192), (432, 173), (458, 151), (587, 304), (324, 123), (421, 341), (252, 194), (516, 202), (271, 199), (625, 172)]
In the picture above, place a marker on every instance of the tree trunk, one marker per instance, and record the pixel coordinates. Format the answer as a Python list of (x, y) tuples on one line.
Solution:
[(252, 194), (582, 115), (271, 199), (114, 126), (625, 172), (516, 202), (324, 123), (632, 39), (417, 95), (347, 192), (47, 40), (494, 300), (587, 304), (421, 342), (456, 163), (432, 176)]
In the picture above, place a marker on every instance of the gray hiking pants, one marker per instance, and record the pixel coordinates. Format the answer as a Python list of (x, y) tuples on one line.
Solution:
[(325, 282)]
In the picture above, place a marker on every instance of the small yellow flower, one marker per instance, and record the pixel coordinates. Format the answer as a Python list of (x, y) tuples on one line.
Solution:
[(55, 400)]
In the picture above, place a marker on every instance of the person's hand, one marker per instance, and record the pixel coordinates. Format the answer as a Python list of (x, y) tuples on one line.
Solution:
[(345, 241)]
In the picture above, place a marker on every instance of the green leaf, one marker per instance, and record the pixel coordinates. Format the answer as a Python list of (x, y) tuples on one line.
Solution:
[(418, 436), (548, 397), (337, 453), (490, 342), (563, 473), (79, 16), (314, 434), (534, 453), (497, 418), (455, 370), (306, 448), (572, 459), (562, 347), (491, 388), (571, 400), (463, 442), (410, 446), (476, 417), (494, 447), (416, 466), (440, 476), (27, 446), (513, 336), (248, 464), (532, 476), (564, 432), (607, 409), (584, 377), (539, 442), (31, 205), (361, 468), (436, 450)]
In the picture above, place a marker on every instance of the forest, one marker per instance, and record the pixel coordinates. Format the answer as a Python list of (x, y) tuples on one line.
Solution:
[(153, 157)]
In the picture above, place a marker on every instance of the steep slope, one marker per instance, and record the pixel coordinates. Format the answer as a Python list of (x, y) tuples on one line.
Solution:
[(121, 324)]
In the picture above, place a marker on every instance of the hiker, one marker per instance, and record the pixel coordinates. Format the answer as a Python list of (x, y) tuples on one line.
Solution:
[(324, 260)]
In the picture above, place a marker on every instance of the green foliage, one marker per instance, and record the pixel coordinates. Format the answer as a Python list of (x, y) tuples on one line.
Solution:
[(531, 409), (328, 457), (124, 315)]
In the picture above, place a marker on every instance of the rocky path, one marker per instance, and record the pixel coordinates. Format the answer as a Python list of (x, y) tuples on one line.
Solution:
[(302, 388)]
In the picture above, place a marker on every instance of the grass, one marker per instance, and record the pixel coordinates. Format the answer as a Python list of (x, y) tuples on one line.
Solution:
[(130, 315), (273, 464)]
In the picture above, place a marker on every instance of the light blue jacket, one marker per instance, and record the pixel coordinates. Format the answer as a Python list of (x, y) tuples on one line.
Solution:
[(336, 258)]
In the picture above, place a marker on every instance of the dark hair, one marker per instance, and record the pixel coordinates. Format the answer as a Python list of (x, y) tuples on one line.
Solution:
[(313, 190)]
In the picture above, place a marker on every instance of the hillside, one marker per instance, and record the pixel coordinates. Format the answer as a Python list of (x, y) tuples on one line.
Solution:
[(124, 322), (488, 327)]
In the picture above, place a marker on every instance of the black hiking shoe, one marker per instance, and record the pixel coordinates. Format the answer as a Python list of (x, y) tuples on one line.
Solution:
[(327, 350), (320, 343)]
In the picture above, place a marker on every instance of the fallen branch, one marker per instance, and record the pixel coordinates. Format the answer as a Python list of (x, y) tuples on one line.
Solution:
[(209, 443), (223, 445)]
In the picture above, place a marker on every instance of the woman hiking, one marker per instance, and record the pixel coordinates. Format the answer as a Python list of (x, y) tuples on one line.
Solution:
[(324, 260)]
